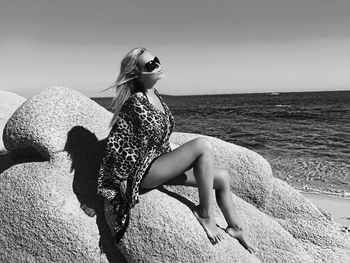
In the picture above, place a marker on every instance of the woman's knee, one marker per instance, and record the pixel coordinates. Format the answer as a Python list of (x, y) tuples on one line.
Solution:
[(222, 179), (203, 146)]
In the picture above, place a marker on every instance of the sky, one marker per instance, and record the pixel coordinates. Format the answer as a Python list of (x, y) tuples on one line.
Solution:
[(205, 47)]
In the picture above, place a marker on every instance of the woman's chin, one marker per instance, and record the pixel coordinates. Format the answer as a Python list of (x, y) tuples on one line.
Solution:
[(159, 75)]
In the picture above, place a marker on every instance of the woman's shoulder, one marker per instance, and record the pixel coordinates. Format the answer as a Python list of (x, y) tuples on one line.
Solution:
[(135, 97), (135, 100), (138, 95)]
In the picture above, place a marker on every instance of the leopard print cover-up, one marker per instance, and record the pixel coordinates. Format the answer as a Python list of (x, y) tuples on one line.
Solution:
[(140, 135)]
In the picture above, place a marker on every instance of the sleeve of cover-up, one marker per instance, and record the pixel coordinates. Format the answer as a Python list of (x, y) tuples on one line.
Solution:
[(167, 146), (126, 145)]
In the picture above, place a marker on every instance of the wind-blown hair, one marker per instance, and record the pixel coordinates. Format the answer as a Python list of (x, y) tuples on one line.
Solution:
[(127, 82)]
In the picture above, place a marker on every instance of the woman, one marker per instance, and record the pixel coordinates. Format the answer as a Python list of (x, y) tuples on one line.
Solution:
[(138, 154)]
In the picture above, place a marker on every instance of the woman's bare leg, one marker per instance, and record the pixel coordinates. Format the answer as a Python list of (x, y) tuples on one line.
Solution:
[(224, 200), (196, 154)]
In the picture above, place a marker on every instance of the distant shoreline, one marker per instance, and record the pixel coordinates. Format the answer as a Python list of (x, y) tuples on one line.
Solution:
[(338, 206), (320, 192), (272, 93)]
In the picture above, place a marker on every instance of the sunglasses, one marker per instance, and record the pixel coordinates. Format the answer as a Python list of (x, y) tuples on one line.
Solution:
[(152, 65)]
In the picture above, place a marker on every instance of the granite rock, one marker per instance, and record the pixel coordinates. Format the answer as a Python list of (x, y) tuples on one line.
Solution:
[(313, 228), (42, 220), (9, 102), (163, 229), (43, 121)]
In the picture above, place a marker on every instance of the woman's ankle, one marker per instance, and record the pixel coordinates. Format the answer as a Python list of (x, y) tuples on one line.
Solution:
[(235, 227), (203, 213)]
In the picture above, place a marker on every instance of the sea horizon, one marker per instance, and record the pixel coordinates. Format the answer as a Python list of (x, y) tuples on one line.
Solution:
[(245, 93)]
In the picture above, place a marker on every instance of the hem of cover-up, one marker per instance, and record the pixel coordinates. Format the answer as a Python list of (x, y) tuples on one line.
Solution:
[(148, 163), (111, 214), (146, 190), (136, 189), (149, 167)]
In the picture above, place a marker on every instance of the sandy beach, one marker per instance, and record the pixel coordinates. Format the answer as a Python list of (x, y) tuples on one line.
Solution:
[(339, 207)]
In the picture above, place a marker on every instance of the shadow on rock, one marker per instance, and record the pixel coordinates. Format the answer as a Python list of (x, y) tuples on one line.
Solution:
[(177, 196), (86, 154), (24, 155)]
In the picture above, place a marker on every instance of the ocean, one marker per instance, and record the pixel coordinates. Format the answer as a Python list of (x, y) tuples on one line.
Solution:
[(305, 136)]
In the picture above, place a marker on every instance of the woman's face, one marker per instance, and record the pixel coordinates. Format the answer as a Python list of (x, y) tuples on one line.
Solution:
[(153, 75)]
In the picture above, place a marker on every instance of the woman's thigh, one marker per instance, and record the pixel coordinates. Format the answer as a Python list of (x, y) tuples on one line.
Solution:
[(174, 163)]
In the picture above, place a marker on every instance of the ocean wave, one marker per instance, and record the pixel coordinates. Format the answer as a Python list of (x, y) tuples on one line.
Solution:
[(313, 174)]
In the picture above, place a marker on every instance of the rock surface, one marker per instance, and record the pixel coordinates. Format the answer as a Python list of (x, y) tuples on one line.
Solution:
[(9, 102), (43, 121), (41, 219), (42, 222), (320, 236), (163, 229)]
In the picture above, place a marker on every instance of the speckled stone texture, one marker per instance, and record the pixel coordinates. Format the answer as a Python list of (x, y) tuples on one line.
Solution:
[(43, 121), (41, 219), (322, 239), (9, 102), (163, 229)]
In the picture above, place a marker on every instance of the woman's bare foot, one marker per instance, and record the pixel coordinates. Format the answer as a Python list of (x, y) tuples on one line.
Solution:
[(209, 225), (239, 235)]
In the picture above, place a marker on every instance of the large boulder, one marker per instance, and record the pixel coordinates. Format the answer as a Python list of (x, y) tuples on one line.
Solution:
[(41, 219), (313, 228), (163, 229), (43, 121), (9, 102), (42, 222)]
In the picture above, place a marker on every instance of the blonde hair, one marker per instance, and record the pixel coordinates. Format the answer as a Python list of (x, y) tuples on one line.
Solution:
[(127, 82)]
